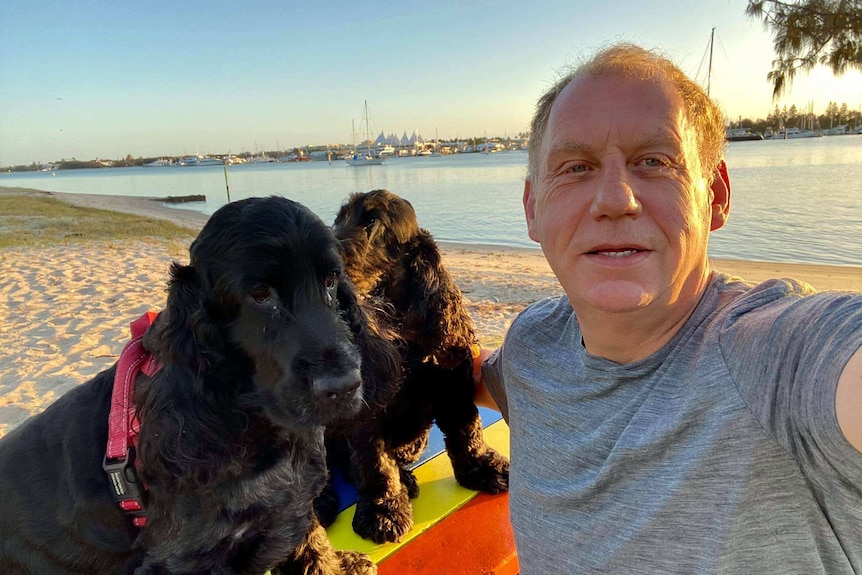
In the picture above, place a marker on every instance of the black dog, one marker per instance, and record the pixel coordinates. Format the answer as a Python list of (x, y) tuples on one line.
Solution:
[(262, 343), (390, 259)]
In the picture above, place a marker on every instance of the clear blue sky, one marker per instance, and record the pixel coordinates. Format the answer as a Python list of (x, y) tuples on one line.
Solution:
[(105, 79)]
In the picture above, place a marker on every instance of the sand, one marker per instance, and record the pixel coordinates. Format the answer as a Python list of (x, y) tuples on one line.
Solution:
[(65, 309)]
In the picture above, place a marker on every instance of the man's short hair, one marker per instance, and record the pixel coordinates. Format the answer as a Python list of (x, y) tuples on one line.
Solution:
[(631, 61)]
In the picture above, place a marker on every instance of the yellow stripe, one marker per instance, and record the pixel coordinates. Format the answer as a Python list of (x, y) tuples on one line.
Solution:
[(439, 496)]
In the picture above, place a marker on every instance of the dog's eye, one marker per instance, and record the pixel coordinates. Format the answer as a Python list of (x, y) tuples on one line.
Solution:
[(261, 293), (331, 280), (330, 283), (370, 225)]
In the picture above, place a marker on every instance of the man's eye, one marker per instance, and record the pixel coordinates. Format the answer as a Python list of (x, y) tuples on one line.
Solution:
[(653, 162), (578, 168)]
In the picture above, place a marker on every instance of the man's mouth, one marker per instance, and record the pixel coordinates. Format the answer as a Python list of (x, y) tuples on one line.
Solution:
[(616, 253)]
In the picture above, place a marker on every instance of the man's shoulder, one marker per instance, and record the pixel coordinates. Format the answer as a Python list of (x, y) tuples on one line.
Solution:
[(739, 300), (769, 289), (782, 317), (542, 323), (545, 310)]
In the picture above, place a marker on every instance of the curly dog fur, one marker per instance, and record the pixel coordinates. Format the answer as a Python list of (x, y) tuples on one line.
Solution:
[(396, 265), (262, 343)]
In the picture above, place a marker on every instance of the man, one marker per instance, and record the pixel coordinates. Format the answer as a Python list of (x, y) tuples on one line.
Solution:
[(666, 418)]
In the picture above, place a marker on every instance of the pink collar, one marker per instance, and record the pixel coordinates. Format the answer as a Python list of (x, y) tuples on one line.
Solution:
[(123, 424)]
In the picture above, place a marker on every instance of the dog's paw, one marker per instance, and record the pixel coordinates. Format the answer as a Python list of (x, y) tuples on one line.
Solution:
[(355, 563), (488, 473), (409, 483), (383, 520)]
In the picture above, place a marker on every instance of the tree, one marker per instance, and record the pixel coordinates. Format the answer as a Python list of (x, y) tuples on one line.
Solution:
[(774, 117), (791, 114), (830, 113), (810, 32)]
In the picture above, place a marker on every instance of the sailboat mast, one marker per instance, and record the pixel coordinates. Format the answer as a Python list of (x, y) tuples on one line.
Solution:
[(709, 72), (367, 129)]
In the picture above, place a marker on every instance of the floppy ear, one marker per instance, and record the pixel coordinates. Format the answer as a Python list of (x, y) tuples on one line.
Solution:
[(379, 346), (183, 423), (186, 332), (403, 220), (436, 316)]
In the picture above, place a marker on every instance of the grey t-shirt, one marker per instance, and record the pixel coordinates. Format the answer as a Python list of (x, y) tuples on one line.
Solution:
[(720, 453)]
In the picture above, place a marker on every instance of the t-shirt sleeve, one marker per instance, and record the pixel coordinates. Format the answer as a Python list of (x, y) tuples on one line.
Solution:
[(786, 349), (492, 376), (526, 345)]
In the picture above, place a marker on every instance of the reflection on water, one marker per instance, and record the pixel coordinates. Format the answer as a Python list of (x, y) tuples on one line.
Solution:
[(795, 201), (792, 200)]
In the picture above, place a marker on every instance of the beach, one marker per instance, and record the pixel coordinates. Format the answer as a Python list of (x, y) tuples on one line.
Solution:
[(66, 308)]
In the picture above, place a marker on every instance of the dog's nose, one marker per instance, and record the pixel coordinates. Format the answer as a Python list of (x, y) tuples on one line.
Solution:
[(334, 387)]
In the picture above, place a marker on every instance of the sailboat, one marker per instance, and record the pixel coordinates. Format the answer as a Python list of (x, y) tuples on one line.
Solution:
[(731, 134), (365, 159)]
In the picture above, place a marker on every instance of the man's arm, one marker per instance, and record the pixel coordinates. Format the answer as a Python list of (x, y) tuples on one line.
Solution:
[(483, 396), (848, 401)]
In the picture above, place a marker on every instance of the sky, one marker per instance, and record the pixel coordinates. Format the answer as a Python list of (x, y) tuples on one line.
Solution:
[(91, 79)]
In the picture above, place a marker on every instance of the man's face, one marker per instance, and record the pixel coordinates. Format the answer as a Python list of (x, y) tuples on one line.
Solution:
[(620, 204)]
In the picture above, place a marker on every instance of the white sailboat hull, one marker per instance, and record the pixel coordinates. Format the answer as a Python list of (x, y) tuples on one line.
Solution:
[(364, 161)]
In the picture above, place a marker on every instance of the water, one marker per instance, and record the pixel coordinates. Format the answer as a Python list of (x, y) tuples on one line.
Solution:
[(792, 200)]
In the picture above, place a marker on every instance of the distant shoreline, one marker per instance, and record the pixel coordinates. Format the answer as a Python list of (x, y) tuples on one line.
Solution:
[(825, 276), (475, 198)]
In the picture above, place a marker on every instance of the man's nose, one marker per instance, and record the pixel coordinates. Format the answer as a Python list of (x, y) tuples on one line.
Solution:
[(614, 195)]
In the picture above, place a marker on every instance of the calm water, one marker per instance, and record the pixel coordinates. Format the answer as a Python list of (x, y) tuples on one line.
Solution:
[(792, 200)]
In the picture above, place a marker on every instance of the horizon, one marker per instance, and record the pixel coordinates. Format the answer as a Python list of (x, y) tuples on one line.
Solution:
[(109, 81)]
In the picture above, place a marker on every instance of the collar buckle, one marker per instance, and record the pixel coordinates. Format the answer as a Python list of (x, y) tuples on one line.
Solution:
[(126, 486)]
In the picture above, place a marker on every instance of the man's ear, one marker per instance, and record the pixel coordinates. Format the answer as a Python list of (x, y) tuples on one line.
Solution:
[(530, 210), (720, 188)]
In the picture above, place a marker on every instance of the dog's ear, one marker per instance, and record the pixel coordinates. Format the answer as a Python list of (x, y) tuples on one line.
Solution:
[(381, 357), (183, 422), (186, 333), (436, 316), (402, 220)]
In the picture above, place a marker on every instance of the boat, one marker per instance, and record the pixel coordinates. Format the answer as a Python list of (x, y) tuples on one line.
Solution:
[(436, 151), (793, 134), (366, 159), (738, 134), (199, 160), (160, 163), (262, 159), (839, 130), (741, 135)]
